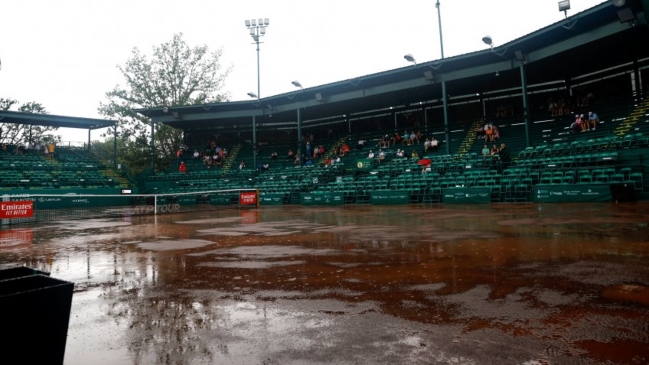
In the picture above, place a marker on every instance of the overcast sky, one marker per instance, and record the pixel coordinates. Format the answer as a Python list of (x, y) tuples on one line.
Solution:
[(63, 54)]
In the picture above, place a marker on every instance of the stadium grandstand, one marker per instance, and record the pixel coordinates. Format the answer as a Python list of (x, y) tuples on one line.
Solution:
[(529, 90)]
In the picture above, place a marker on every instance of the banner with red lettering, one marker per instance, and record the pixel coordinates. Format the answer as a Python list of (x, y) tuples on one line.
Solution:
[(248, 198), (17, 209)]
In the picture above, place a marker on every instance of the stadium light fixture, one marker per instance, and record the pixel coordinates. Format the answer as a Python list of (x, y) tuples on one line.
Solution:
[(257, 29), (490, 42), (297, 84), (564, 6), (410, 58), (252, 95)]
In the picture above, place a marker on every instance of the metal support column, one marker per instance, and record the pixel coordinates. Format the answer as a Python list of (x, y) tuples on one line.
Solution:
[(299, 135), (254, 142), (447, 132), (526, 112)]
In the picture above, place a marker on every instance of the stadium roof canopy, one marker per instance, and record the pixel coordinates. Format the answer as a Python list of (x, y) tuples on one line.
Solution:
[(605, 39), (50, 120)]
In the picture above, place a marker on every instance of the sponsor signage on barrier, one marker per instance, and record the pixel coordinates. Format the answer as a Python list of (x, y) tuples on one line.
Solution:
[(248, 198), (466, 196), (572, 193), (322, 199), (271, 198), (389, 197), (17, 209)]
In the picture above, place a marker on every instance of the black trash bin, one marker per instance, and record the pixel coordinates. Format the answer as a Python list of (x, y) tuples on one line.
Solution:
[(35, 312), (20, 271)]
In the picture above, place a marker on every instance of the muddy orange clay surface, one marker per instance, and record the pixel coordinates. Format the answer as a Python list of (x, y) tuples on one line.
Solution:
[(495, 284)]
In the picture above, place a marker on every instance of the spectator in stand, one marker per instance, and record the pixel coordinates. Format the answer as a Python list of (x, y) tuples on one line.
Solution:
[(593, 119), (273, 156), (494, 150), (489, 134), (485, 150), (381, 156), (415, 155), (426, 145), (242, 165), (197, 155), (496, 135), (479, 130), (290, 155), (370, 155), (397, 139), (503, 154), (361, 144), (51, 148), (418, 136), (207, 161), (345, 149), (575, 126), (179, 156), (433, 144), (413, 137), (182, 167), (405, 139)]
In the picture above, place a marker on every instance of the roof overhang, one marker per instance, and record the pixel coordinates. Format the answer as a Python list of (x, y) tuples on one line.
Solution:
[(50, 120)]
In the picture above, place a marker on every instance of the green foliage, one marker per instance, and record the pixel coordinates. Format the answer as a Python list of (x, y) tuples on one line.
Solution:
[(176, 74), (23, 134)]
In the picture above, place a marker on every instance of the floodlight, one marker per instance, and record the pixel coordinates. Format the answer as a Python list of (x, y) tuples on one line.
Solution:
[(252, 32), (487, 40), (410, 58), (262, 30), (266, 21), (253, 22), (564, 5), (297, 84), (260, 21), (247, 23), (252, 95)]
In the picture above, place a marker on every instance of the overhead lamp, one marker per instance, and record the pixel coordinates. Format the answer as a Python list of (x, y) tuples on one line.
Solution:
[(564, 6), (490, 42), (252, 95), (410, 58), (297, 84)]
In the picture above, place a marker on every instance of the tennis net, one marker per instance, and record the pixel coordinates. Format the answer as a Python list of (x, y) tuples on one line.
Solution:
[(30, 208)]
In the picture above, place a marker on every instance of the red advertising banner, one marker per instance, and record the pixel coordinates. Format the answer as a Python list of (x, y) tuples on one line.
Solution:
[(16, 209), (248, 198)]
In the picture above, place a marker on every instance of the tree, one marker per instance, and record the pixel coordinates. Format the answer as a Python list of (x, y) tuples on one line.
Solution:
[(23, 134), (176, 75)]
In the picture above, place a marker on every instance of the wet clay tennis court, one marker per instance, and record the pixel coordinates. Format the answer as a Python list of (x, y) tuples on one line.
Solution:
[(494, 284)]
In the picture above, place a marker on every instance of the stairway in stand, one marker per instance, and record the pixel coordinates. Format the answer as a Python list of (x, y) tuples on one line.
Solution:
[(469, 139), (232, 156), (634, 117)]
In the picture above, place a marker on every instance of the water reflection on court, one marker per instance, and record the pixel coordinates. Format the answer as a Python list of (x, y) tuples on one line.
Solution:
[(514, 283)]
